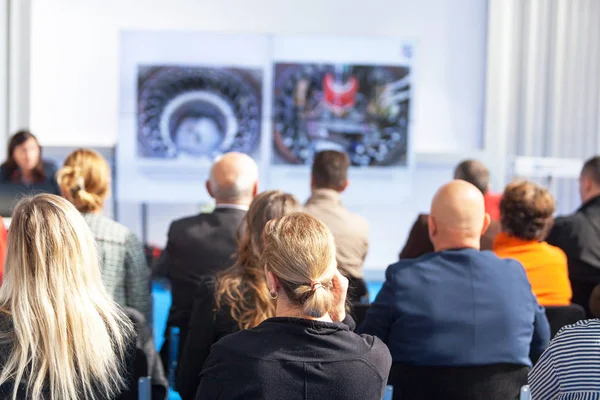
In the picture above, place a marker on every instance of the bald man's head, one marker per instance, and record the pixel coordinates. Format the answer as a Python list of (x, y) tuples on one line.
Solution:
[(458, 217), (233, 179)]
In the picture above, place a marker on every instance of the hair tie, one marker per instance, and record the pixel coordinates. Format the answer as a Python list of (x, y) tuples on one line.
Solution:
[(79, 186), (314, 285)]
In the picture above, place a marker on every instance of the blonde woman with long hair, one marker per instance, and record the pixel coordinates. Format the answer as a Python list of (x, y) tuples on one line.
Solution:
[(307, 351), (84, 180), (61, 336), (240, 299)]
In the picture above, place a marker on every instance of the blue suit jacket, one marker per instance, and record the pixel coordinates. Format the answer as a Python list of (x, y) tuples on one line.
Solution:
[(459, 307)]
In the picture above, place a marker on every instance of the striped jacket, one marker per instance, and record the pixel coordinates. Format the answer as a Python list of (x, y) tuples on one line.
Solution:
[(125, 273), (569, 369)]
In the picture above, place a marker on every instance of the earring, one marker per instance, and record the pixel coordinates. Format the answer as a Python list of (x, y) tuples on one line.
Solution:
[(274, 295)]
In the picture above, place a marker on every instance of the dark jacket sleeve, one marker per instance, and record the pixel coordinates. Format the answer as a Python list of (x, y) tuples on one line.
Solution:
[(200, 338), (418, 242), (162, 266), (563, 235), (379, 319)]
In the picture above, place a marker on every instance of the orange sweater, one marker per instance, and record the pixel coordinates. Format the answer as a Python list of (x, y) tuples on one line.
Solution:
[(545, 266)]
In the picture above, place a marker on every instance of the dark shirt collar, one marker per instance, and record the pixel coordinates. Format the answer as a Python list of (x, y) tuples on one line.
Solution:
[(593, 202), (306, 323)]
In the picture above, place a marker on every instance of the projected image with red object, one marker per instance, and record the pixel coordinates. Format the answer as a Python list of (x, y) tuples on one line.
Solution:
[(362, 110)]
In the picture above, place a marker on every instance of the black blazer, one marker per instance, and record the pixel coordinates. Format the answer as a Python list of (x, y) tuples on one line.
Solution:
[(577, 235), (197, 247), (205, 328), (293, 359)]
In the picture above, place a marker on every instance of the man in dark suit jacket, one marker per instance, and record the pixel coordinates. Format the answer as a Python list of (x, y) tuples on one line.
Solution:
[(201, 245), (578, 235), (477, 174), (459, 306)]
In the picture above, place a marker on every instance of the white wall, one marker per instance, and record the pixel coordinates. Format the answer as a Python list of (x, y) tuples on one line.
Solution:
[(75, 83)]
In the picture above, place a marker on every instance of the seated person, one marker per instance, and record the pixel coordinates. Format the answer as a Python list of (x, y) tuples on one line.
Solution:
[(329, 179), (474, 172), (24, 164), (240, 299), (459, 306), (84, 180), (305, 351), (526, 213), (61, 336), (569, 369)]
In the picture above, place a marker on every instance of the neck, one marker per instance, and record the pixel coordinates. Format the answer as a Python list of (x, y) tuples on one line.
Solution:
[(285, 309), (28, 174), (592, 196), (465, 244)]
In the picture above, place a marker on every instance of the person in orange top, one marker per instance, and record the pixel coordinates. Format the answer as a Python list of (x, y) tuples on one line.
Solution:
[(526, 211)]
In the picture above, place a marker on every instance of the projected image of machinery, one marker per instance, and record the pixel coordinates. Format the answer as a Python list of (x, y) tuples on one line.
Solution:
[(360, 109), (198, 111)]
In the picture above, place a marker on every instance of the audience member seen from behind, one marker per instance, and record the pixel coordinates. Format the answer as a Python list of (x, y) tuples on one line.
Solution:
[(305, 351), (201, 245), (526, 213), (84, 180), (24, 164), (569, 369), (474, 172), (351, 231), (61, 336), (578, 236), (468, 315), (239, 299)]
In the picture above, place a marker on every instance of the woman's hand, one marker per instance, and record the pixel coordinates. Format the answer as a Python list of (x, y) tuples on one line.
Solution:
[(339, 290)]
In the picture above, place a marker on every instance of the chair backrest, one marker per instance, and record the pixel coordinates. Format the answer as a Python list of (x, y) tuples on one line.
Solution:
[(525, 393), (487, 382), (561, 316), (145, 388)]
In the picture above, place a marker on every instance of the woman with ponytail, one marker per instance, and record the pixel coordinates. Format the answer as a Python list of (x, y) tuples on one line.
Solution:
[(308, 350), (84, 180)]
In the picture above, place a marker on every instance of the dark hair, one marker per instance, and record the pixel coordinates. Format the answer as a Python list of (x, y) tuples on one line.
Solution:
[(526, 210), (11, 165), (474, 172), (330, 170), (591, 168)]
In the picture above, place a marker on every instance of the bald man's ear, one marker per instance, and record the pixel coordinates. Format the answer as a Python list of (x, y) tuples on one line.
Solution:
[(431, 227), (345, 185), (487, 220), (209, 189), (255, 189)]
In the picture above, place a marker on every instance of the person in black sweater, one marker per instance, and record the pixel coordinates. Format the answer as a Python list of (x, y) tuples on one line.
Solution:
[(305, 351), (242, 299)]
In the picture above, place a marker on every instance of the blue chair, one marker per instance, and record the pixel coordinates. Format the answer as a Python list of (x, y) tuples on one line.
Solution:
[(389, 393), (145, 388), (525, 393), (173, 353)]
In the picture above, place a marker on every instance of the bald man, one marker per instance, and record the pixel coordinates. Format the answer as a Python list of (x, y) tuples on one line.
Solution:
[(201, 245), (458, 321)]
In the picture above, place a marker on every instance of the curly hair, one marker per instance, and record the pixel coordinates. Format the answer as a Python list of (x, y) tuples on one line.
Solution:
[(242, 288), (526, 210)]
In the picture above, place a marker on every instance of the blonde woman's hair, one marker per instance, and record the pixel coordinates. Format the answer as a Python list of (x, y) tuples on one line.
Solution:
[(243, 287), (300, 250), (84, 180), (67, 339)]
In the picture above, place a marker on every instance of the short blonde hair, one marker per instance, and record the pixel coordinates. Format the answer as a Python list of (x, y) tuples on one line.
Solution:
[(84, 180), (65, 333), (300, 250)]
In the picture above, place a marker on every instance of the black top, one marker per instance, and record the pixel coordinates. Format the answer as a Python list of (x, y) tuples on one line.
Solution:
[(6, 389), (205, 328), (577, 235), (197, 247), (293, 358)]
